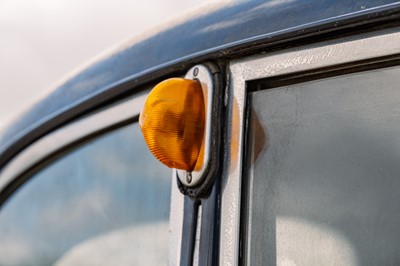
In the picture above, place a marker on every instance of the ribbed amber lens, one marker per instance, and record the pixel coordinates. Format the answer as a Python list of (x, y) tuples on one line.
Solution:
[(172, 122)]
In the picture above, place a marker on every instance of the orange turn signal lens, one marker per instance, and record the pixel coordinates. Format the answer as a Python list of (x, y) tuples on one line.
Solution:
[(173, 121)]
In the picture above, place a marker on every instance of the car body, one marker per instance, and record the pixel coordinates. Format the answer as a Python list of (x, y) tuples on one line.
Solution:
[(257, 53)]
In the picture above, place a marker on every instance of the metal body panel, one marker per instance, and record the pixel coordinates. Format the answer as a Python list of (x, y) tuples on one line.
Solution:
[(175, 223), (202, 74), (221, 31), (357, 48)]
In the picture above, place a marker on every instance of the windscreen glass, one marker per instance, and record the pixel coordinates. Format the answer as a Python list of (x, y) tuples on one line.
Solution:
[(105, 203)]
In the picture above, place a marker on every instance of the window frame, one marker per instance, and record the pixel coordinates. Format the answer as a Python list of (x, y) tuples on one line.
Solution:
[(318, 59)]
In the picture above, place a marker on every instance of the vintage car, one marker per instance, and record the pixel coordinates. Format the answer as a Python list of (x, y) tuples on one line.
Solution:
[(297, 162)]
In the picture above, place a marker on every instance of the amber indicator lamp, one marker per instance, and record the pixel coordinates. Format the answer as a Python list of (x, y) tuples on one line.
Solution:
[(173, 121)]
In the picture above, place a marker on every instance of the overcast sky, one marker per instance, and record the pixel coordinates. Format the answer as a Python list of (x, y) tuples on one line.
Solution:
[(43, 40)]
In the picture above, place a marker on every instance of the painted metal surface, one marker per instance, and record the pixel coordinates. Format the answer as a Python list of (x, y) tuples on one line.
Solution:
[(222, 30), (175, 223), (202, 74), (202, 179), (311, 57)]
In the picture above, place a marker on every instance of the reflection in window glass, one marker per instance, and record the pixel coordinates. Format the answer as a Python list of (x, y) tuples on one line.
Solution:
[(324, 170), (106, 203)]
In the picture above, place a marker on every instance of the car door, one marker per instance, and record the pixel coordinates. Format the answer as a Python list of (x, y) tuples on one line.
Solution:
[(312, 177)]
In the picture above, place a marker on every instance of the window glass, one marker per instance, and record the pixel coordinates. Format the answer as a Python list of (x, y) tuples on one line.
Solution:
[(106, 203), (323, 172)]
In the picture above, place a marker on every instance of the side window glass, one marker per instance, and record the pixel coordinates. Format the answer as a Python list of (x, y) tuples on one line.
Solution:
[(106, 203), (324, 173)]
